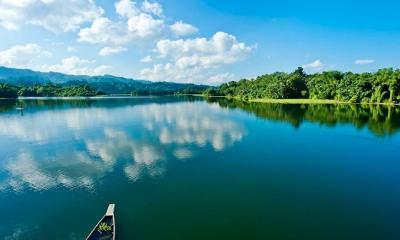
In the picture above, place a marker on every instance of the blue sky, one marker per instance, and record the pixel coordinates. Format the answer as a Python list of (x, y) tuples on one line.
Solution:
[(199, 41)]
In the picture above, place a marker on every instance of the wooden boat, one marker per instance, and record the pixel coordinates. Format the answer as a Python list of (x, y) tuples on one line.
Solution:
[(105, 228)]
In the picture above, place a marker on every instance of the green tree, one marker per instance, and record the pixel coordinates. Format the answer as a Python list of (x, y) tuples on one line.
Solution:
[(8, 91), (381, 86)]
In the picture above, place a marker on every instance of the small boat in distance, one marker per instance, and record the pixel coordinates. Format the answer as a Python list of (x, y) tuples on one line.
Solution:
[(19, 107), (105, 228)]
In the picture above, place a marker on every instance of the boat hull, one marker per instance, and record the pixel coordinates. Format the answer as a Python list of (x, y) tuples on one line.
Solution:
[(105, 228)]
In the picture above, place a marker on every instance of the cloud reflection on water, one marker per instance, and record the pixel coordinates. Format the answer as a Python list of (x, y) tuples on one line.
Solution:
[(77, 147)]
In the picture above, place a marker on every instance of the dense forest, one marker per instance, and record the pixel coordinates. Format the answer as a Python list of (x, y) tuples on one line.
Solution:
[(82, 89), (108, 84), (46, 90), (378, 87)]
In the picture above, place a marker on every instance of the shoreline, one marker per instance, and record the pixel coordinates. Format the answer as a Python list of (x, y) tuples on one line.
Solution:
[(302, 101), (299, 101), (255, 100), (78, 97), (317, 101)]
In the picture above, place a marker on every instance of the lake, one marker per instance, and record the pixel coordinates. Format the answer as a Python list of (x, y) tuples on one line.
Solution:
[(189, 168)]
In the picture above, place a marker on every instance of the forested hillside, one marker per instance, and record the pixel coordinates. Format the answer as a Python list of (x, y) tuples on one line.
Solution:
[(47, 90), (107, 84), (378, 87)]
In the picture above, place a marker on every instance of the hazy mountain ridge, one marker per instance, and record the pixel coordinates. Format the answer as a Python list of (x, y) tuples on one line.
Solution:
[(107, 83)]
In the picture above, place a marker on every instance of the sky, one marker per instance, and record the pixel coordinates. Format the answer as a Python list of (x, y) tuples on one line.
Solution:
[(198, 41)]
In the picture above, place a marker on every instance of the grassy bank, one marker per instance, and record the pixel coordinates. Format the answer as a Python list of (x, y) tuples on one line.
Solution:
[(316, 101), (298, 101)]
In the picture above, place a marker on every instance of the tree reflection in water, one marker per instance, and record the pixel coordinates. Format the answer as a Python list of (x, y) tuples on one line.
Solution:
[(381, 120)]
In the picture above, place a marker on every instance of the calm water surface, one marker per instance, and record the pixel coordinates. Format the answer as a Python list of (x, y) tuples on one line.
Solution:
[(182, 168)]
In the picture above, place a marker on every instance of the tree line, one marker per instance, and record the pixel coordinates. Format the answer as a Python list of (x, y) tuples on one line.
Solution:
[(377, 87), (47, 90), (84, 89)]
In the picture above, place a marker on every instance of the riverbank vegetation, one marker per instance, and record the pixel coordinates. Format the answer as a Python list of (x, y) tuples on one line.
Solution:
[(382, 86), (47, 90), (297, 101)]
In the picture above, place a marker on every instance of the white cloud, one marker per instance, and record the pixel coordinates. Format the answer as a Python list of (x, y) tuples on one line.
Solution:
[(220, 78), (170, 72), (364, 61), (107, 51), (144, 25), (317, 64), (180, 28), (222, 48), (136, 24), (101, 70), (188, 58), (153, 8), (77, 66), (22, 55), (55, 16), (105, 31), (126, 8), (146, 59)]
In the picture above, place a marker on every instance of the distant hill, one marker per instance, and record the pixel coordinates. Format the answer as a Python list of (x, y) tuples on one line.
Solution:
[(108, 84)]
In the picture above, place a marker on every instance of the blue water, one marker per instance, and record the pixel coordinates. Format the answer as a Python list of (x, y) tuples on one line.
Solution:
[(186, 168)]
